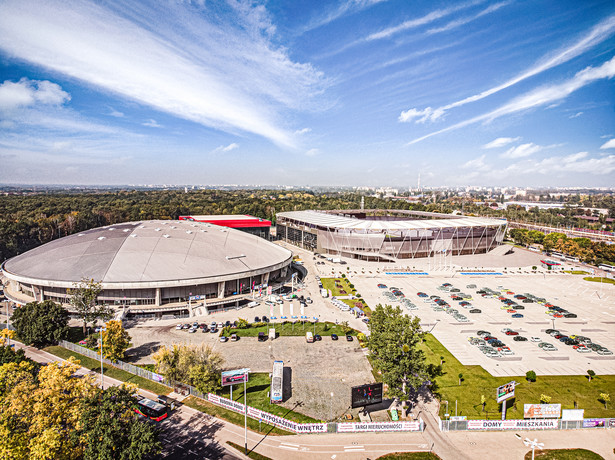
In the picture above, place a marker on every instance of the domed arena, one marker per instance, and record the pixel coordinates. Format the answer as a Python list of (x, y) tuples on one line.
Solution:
[(151, 264)]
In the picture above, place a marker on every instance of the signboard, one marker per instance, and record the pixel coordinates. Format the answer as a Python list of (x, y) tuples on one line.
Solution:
[(506, 392), (512, 424), (365, 395), (458, 418), (196, 297), (573, 414), (234, 377), (612, 423), (542, 410), (378, 426), (594, 423)]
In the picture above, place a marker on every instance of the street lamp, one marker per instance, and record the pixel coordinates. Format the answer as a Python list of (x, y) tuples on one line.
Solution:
[(529, 443), (100, 341)]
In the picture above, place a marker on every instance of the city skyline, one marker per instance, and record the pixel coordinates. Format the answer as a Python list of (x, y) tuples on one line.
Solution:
[(360, 92)]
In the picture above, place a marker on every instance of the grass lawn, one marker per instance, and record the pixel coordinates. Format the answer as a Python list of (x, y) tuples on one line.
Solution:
[(410, 456), (230, 416), (110, 371), (564, 454), (288, 329), (251, 454), (576, 272), (330, 283), (598, 279), (258, 389), (564, 390)]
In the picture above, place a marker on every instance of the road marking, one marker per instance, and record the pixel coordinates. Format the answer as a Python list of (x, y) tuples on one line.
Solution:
[(288, 447), (289, 444)]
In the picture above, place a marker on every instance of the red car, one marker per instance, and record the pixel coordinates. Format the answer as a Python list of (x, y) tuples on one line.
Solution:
[(510, 310), (512, 333)]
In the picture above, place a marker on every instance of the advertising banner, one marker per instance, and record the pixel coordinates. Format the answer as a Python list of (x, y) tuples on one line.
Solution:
[(573, 414), (542, 410), (512, 424), (594, 423), (365, 395), (612, 423), (266, 417), (458, 418), (378, 426), (505, 392), (234, 377)]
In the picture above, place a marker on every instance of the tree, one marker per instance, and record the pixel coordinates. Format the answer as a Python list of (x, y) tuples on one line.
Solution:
[(393, 345), (10, 355), (83, 300), (530, 376), (605, 398), (199, 366), (39, 411), (110, 429), (41, 323), (483, 401), (115, 340), (591, 374), (6, 335), (460, 377), (545, 399), (345, 327)]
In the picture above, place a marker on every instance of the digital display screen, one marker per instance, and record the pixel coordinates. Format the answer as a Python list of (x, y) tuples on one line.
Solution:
[(365, 395)]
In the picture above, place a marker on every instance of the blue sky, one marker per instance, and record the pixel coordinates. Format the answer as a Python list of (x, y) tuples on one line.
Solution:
[(361, 92)]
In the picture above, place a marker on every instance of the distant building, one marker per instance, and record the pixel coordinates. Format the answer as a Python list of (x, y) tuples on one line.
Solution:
[(244, 222)]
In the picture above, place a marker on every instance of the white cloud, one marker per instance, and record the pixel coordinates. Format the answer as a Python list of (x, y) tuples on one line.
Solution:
[(28, 93), (312, 152), (539, 97), (596, 35), (223, 72), (610, 144), (303, 131), (413, 23), (478, 164), (577, 163), (500, 142), (226, 148), (115, 113), (462, 21), (576, 115), (345, 8), (523, 150), (151, 123)]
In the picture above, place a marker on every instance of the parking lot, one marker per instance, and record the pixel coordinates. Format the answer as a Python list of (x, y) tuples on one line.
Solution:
[(595, 312)]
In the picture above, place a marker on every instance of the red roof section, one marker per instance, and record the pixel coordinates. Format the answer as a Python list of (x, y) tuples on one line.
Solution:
[(245, 221)]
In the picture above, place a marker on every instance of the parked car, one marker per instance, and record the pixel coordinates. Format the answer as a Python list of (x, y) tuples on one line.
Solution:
[(234, 337), (520, 338), (512, 333), (223, 338), (317, 337), (179, 327), (349, 338), (517, 315), (475, 310), (334, 337), (262, 337)]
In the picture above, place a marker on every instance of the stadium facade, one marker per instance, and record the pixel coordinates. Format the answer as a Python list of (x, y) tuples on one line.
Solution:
[(389, 235), (150, 263)]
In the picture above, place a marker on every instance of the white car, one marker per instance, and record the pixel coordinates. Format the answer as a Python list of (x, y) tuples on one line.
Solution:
[(506, 329), (179, 327), (535, 339)]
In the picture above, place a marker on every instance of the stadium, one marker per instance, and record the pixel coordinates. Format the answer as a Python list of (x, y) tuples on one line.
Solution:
[(388, 235), (150, 263)]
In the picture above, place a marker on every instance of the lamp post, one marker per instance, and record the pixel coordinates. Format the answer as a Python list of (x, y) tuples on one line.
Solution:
[(529, 443), (100, 341)]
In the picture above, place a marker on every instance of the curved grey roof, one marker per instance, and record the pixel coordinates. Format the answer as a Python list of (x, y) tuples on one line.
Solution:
[(155, 253)]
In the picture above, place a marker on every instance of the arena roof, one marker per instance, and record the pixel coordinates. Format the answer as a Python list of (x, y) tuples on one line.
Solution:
[(334, 221), (148, 254), (230, 220)]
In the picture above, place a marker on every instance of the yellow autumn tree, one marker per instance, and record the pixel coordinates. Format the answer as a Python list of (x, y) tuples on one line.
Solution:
[(115, 340), (38, 414)]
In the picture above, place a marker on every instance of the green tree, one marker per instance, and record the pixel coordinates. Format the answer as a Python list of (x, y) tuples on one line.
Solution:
[(41, 323), (83, 300), (591, 374), (552, 240), (110, 429), (460, 377), (393, 345), (605, 398), (115, 340), (10, 355), (483, 401), (530, 376)]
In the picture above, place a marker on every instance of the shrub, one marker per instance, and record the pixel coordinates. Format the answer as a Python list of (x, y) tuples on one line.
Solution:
[(242, 323), (545, 399), (530, 376)]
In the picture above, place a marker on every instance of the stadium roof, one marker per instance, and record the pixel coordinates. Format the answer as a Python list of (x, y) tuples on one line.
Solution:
[(230, 220), (156, 253), (334, 221)]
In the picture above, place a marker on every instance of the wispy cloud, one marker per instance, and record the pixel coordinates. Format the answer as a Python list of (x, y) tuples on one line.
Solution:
[(576, 115), (115, 113), (523, 150), (462, 21), (343, 9), (226, 148), (610, 144), (312, 152), (222, 72), (151, 123), (423, 20), (29, 93), (577, 163), (477, 164), (303, 131), (596, 35), (545, 95), (500, 142)]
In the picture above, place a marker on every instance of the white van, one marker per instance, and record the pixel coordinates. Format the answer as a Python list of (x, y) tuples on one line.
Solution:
[(309, 338), (253, 304)]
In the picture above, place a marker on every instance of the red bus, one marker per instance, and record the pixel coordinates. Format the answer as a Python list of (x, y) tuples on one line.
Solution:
[(152, 410)]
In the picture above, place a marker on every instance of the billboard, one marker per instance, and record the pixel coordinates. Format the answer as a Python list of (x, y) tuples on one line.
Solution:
[(234, 377), (513, 424), (506, 391), (573, 414), (542, 410), (594, 423), (365, 395)]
